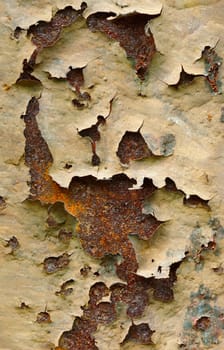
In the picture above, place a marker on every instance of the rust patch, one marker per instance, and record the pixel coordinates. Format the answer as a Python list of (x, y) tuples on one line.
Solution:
[(202, 324), (212, 65), (13, 243), (112, 212), (65, 288), (129, 30), (133, 147), (85, 270), (162, 287), (134, 294), (39, 159), (43, 317), (97, 292), (55, 263), (26, 77), (108, 211), (140, 334), (46, 34), (93, 134), (80, 337), (97, 312), (75, 78)]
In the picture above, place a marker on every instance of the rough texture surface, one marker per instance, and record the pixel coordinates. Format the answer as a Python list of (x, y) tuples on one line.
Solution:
[(122, 247)]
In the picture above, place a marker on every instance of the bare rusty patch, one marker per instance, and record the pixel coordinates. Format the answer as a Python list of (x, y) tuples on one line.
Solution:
[(46, 34), (43, 317), (96, 312), (93, 134), (65, 288), (26, 77), (112, 212), (129, 30), (212, 65), (202, 324), (13, 243), (55, 263), (108, 211), (39, 159), (133, 147), (139, 333), (75, 78), (134, 294)]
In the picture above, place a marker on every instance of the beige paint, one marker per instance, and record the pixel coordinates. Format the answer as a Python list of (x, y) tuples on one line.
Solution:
[(197, 165)]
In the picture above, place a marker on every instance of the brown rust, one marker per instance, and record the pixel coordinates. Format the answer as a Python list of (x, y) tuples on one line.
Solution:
[(202, 323), (108, 211), (13, 243), (46, 34), (140, 334), (93, 134), (97, 292), (80, 337), (133, 293), (43, 317), (212, 65), (39, 159), (26, 77), (55, 263), (132, 147), (65, 288), (112, 212), (75, 78), (129, 30)]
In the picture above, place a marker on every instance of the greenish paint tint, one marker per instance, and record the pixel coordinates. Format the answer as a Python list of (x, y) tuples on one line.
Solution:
[(202, 307)]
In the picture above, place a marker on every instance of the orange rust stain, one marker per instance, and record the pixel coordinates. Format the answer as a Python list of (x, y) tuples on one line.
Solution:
[(107, 210)]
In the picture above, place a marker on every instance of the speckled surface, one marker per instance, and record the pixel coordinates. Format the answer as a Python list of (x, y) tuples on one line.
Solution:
[(191, 112)]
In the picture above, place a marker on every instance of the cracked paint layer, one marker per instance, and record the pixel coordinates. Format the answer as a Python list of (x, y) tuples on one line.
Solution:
[(189, 112)]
